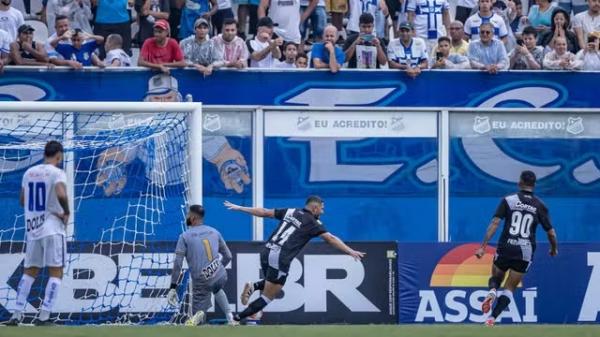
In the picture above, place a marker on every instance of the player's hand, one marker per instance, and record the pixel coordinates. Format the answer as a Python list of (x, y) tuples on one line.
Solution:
[(111, 175), (63, 217), (172, 298), (233, 169), (553, 251), (231, 206), (480, 252), (357, 255)]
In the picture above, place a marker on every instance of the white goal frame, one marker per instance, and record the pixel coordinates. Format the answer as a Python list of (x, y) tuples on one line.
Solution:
[(195, 134)]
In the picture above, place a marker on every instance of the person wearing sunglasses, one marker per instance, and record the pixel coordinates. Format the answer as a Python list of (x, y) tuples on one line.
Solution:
[(487, 53)]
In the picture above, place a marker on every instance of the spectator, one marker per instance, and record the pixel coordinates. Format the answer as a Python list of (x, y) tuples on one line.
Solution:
[(457, 37), (175, 17), (577, 6), (396, 11), (231, 49), (161, 51), (4, 48), (560, 58), (326, 55), (407, 52), (198, 50), (224, 12), (263, 49), (363, 49), (487, 53), (247, 9), (286, 15), (115, 55), (290, 52), (589, 56), (337, 9), (526, 55), (148, 12), (486, 15), (193, 10), (318, 20), (515, 15), (464, 9), (26, 52), (61, 27), (301, 61), (540, 15), (559, 28), (430, 19), (588, 22), (81, 48), (10, 19), (357, 8), (112, 17), (79, 13), (444, 59)]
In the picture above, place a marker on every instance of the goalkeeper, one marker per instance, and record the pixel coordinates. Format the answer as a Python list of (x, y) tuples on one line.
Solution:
[(207, 255)]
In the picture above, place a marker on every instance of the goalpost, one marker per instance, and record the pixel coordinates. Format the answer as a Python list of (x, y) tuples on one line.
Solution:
[(132, 170)]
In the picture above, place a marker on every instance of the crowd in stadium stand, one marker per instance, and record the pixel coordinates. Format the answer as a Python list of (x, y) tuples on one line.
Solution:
[(410, 35)]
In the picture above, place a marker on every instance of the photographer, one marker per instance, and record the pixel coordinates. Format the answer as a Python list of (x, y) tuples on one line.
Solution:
[(526, 55), (264, 48), (590, 56), (364, 50), (446, 60)]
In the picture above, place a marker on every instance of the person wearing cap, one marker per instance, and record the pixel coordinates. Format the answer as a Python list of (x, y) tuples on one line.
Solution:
[(485, 14), (264, 49), (81, 49), (10, 19), (150, 11), (297, 226), (407, 53), (198, 50), (286, 16), (26, 52), (192, 10), (161, 51), (326, 54), (231, 49)]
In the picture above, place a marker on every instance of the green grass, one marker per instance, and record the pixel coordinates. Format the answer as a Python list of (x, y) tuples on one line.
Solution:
[(311, 330)]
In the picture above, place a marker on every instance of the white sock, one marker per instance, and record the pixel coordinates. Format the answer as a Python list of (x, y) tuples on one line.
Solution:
[(23, 290), (49, 297), (223, 303), (493, 293), (266, 299)]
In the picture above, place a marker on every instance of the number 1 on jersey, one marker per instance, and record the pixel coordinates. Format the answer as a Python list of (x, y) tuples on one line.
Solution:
[(37, 197)]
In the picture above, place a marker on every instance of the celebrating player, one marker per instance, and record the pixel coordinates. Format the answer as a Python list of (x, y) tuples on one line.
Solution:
[(522, 212), (296, 228), (44, 197), (207, 255)]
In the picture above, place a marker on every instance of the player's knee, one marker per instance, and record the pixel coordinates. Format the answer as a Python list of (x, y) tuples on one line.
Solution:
[(55, 272), (494, 282), (32, 271)]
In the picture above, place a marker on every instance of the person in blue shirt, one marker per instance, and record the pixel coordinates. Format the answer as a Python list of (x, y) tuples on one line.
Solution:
[(326, 55), (81, 49)]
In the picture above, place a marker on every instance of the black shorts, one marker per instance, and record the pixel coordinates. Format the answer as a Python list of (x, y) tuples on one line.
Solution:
[(274, 270), (504, 264), (393, 7)]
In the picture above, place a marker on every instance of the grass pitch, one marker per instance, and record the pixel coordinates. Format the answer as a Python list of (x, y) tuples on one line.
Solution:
[(311, 330)]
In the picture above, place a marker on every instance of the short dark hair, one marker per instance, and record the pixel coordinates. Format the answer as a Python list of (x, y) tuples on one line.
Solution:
[(60, 17), (198, 210), (301, 54), (444, 38), (229, 21), (366, 18), (517, 2), (313, 199), (52, 148), (289, 43), (528, 178), (529, 31)]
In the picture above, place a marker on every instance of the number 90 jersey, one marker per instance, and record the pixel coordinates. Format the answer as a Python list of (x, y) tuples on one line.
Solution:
[(41, 202), (296, 228), (522, 212)]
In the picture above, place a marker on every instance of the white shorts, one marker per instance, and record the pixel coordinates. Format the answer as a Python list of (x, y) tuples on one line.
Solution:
[(49, 251)]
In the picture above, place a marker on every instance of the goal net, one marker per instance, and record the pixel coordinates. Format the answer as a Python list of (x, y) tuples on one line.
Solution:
[(128, 168)]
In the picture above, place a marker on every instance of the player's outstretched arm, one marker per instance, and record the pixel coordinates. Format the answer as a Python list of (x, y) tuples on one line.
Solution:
[(553, 242), (335, 242), (491, 230), (261, 212)]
